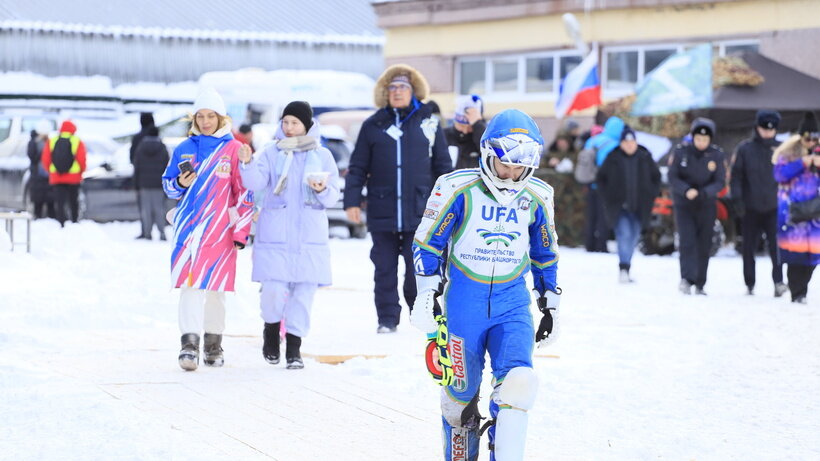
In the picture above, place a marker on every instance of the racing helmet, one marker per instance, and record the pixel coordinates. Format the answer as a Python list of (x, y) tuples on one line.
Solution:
[(514, 138)]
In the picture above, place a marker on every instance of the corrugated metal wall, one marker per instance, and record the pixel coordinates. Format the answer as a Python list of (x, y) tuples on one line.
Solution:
[(170, 59)]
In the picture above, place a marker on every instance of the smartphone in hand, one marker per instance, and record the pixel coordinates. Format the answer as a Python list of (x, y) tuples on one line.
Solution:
[(185, 167)]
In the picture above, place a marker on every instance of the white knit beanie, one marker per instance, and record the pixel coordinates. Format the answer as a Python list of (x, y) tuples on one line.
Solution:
[(210, 99)]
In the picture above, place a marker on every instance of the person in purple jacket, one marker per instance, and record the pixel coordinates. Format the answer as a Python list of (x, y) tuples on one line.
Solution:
[(291, 256)]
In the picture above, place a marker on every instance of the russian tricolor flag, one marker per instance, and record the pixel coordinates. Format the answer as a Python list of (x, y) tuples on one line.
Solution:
[(581, 88)]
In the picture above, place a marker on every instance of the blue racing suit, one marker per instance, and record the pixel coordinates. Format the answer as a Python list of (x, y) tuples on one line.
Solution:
[(486, 301)]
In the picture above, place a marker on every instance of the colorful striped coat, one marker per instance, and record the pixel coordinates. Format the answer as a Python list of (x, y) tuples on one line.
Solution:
[(212, 214), (799, 242)]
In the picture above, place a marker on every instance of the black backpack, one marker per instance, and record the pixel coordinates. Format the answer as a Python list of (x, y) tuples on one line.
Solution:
[(61, 157)]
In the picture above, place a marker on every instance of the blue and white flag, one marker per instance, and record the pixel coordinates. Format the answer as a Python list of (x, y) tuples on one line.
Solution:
[(681, 82)]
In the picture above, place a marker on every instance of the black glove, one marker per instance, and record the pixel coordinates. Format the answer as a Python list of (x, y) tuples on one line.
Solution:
[(548, 305), (545, 327)]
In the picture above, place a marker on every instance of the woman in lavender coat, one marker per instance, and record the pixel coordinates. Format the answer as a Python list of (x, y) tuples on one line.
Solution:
[(291, 257)]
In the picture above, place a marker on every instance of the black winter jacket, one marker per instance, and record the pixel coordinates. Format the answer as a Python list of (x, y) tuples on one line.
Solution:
[(612, 182), (753, 184), (398, 174), (40, 189), (150, 160), (690, 168), (469, 144)]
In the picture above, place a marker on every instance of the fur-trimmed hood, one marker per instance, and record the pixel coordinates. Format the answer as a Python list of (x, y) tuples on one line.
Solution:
[(791, 149), (420, 87)]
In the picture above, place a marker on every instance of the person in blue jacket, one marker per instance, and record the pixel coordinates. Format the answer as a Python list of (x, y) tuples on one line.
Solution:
[(596, 230), (497, 221), (400, 151)]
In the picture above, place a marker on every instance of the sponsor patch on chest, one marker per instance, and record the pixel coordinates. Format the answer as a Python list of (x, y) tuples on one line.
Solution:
[(223, 168)]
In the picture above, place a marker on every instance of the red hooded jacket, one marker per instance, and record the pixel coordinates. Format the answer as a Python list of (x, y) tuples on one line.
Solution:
[(75, 175)]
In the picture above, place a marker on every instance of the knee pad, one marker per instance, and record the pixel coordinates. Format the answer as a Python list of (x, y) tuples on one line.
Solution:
[(518, 390)]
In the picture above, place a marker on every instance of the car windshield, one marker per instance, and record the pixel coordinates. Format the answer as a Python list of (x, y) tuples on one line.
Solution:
[(176, 129), (30, 123), (5, 128)]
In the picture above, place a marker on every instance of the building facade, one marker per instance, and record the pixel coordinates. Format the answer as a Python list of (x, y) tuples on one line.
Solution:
[(514, 53)]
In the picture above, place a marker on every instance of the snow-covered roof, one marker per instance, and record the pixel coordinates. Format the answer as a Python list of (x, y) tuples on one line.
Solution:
[(335, 21)]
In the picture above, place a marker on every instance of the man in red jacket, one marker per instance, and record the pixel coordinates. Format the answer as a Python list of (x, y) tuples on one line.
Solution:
[(64, 159)]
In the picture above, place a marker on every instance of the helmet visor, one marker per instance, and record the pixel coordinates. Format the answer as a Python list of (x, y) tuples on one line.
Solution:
[(517, 151)]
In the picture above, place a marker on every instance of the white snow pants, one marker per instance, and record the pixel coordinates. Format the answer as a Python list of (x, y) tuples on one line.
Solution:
[(201, 309), (289, 300)]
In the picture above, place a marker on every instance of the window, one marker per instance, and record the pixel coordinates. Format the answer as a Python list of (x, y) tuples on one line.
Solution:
[(531, 76), (568, 63), (653, 58), (473, 77), (739, 48), (539, 75), (505, 76), (624, 67), (622, 70)]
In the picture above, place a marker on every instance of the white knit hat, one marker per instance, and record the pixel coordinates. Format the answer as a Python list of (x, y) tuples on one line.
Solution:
[(210, 99), (465, 102)]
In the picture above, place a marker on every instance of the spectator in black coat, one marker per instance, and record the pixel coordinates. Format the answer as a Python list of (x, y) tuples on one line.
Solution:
[(629, 181), (40, 191), (754, 196), (468, 127), (146, 122), (399, 154), (697, 173), (150, 161)]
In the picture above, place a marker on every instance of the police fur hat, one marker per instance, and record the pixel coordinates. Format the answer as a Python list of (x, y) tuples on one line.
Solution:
[(767, 119), (420, 87), (703, 125)]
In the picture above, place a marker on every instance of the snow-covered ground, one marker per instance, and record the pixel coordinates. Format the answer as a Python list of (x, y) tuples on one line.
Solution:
[(88, 370)]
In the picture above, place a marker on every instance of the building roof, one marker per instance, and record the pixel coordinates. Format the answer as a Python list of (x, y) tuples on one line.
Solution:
[(348, 21)]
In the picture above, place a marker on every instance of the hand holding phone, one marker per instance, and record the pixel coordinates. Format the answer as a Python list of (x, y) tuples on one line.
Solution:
[(185, 167), (186, 174)]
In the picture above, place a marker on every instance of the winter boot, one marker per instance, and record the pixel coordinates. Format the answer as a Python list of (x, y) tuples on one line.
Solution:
[(699, 291), (270, 347), (780, 289), (212, 349), (189, 355), (623, 274), (750, 290), (294, 358), (685, 287)]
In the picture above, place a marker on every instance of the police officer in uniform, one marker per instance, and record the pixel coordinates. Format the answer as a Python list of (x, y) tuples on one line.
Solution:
[(754, 196), (697, 172)]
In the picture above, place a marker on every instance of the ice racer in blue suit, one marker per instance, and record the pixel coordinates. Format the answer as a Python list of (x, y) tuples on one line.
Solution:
[(496, 223)]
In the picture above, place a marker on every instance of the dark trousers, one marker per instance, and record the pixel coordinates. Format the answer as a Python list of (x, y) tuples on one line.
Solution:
[(696, 226), (387, 247), (799, 278), (67, 194), (596, 230), (152, 211), (44, 209), (752, 225)]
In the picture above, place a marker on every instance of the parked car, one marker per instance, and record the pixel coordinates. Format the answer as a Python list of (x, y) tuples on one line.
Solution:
[(15, 133), (339, 132)]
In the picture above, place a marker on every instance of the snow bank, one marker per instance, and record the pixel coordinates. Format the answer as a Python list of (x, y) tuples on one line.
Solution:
[(88, 334)]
